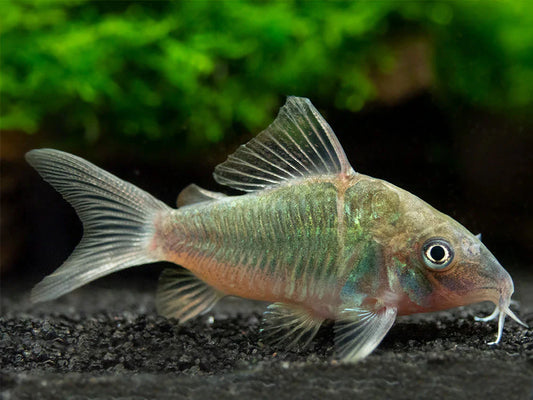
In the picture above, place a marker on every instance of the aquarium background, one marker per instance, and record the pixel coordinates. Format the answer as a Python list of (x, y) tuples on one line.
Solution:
[(435, 97)]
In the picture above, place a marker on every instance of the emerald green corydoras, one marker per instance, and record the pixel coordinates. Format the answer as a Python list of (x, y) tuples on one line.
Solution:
[(312, 235)]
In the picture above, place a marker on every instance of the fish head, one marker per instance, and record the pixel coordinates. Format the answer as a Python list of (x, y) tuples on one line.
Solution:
[(459, 268), (435, 263)]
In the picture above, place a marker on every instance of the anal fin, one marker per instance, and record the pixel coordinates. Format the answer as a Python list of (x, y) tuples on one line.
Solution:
[(290, 325), (181, 295), (359, 331)]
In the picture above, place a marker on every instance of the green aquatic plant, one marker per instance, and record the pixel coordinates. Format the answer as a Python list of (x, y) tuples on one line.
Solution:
[(195, 71)]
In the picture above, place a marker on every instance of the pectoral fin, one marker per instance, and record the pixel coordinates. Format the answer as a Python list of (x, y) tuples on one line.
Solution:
[(290, 325), (182, 295), (359, 331)]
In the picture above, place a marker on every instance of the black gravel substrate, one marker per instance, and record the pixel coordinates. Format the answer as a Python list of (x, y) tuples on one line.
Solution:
[(104, 342)]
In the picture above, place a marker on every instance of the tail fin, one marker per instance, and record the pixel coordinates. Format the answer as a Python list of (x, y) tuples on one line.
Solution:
[(118, 221)]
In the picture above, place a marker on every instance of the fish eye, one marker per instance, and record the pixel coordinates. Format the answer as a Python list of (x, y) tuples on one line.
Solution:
[(437, 254)]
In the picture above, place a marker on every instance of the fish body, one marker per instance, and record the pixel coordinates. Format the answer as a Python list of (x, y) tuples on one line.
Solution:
[(298, 243), (278, 244), (317, 239)]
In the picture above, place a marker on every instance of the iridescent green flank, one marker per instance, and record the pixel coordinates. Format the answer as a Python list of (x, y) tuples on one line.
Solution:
[(289, 234), (309, 238)]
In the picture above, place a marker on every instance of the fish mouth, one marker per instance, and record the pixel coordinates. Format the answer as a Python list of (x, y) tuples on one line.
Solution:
[(499, 289), (501, 311)]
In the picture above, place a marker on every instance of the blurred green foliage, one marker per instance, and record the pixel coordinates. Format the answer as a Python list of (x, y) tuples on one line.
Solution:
[(197, 70)]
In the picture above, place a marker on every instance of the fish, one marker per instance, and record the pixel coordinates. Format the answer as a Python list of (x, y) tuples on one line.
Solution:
[(310, 235)]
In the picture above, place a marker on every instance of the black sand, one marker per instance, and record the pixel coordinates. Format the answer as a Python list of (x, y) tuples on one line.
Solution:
[(106, 341)]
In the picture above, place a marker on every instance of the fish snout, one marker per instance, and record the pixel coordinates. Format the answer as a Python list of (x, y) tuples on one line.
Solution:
[(499, 289), (486, 280), (504, 291), (499, 278), (473, 281)]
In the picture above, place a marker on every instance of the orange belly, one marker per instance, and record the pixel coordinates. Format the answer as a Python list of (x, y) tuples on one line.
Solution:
[(255, 284)]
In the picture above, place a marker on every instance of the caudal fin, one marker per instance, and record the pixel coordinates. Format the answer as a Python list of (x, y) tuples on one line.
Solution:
[(118, 221)]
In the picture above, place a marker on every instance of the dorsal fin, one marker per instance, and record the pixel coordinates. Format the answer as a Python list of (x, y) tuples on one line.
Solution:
[(298, 144), (195, 194)]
